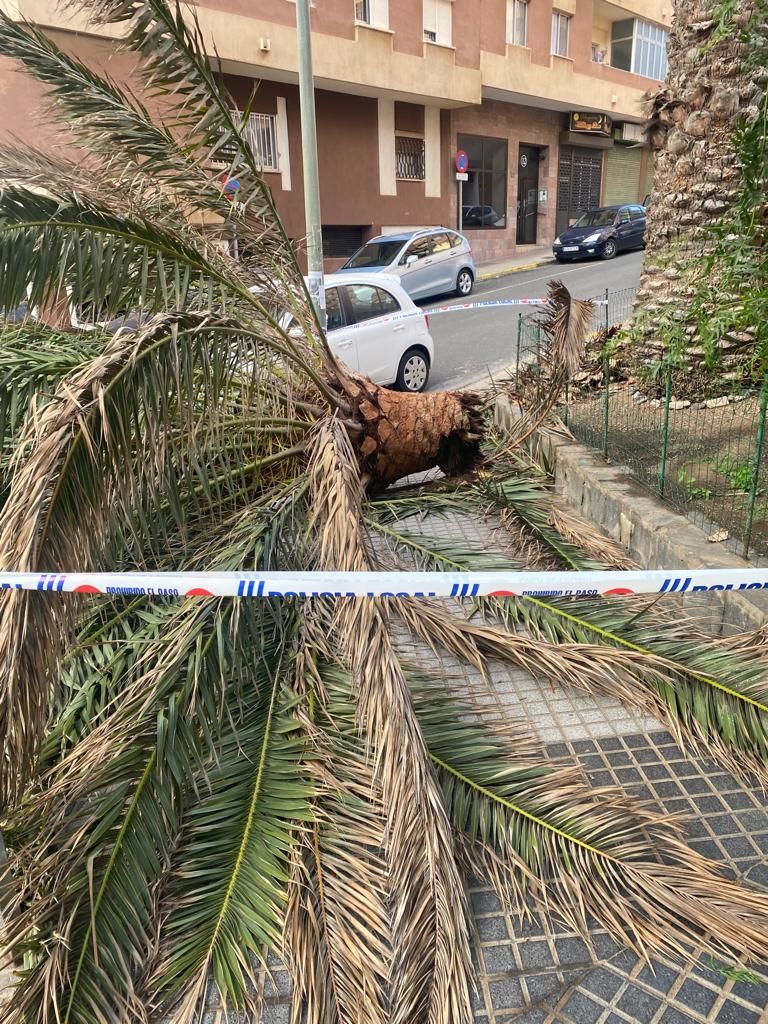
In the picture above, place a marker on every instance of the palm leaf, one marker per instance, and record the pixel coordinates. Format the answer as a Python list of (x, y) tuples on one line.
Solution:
[(430, 970), (337, 931), (546, 836), (228, 883)]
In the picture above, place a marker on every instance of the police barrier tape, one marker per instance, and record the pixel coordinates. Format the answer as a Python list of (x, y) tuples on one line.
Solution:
[(390, 584), (457, 307)]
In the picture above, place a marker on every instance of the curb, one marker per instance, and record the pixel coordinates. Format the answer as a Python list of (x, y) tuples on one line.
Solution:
[(515, 270)]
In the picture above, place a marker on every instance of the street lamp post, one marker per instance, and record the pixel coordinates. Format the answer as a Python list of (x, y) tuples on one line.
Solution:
[(309, 161)]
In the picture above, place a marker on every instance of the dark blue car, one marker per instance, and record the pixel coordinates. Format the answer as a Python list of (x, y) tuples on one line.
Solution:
[(602, 232)]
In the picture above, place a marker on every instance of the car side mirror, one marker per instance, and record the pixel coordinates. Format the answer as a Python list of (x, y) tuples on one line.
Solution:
[(410, 259), (623, 220)]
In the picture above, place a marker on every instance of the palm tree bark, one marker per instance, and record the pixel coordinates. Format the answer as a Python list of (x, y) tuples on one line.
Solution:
[(710, 91), (398, 434)]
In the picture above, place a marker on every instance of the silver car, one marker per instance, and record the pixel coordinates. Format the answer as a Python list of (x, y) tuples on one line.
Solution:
[(427, 262)]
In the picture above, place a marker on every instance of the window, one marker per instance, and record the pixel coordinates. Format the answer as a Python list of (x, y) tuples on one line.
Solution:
[(368, 302), (485, 191), (333, 309), (455, 240), (419, 247), (341, 242), (439, 243), (261, 132), (636, 212), (372, 12), (409, 158), (650, 53), (438, 21), (561, 31), (639, 47), (517, 22)]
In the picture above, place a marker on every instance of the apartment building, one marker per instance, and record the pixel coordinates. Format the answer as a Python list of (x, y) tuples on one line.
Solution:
[(545, 97)]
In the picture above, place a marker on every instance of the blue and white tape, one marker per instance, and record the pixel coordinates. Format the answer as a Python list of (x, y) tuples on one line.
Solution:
[(457, 307), (390, 584)]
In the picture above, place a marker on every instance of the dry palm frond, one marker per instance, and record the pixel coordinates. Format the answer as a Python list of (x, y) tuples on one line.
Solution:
[(430, 969), (601, 854), (565, 325), (337, 933)]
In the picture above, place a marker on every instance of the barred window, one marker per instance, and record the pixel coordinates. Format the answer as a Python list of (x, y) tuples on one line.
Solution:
[(409, 158), (261, 133)]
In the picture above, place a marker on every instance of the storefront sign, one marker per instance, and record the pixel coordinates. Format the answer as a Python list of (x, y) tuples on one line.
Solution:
[(599, 124)]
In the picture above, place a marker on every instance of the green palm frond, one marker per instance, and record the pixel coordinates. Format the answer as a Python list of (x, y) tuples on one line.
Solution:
[(106, 820), (55, 242), (131, 431), (227, 888), (526, 820), (114, 124)]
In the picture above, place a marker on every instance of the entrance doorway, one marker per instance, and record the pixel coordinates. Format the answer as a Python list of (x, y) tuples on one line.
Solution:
[(578, 183), (527, 194)]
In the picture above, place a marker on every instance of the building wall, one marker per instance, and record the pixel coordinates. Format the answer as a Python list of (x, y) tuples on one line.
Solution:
[(519, 126)]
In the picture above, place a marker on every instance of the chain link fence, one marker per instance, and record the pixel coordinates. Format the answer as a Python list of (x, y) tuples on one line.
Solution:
[(706, 459)]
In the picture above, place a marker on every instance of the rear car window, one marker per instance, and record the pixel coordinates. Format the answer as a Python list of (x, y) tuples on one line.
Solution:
[(419, 247), (333, 309), (367, 302)]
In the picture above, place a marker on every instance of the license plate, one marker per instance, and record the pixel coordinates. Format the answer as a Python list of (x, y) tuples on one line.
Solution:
[(570, 248)]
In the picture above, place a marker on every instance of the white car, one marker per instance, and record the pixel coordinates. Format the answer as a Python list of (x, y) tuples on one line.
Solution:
[(363, 334)]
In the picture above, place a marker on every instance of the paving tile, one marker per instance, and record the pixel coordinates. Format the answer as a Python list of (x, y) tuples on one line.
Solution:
[(536, 954), (603, 983), (543, 986), (573, 951), (638, 1004), (673, 1016), (491, 927), (505, 994), (581, 1009), (533, 1016), (732, 1013), (661, 977), (485, 901), (696, 997), (276, 1014), (499, 959), (758, 875)]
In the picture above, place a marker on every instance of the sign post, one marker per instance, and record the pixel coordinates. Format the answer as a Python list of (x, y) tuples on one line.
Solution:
[(461, 162)]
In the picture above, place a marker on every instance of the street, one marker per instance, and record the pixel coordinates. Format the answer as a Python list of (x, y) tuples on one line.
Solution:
[(478, 342)]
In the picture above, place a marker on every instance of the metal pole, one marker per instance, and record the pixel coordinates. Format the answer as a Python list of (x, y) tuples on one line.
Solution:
[(755, 475), (309, 161), (517, 355), (665, 428), (460, 211), (606, 397)]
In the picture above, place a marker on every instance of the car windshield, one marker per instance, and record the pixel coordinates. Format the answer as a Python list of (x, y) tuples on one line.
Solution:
[(375, 254), (595, 218)]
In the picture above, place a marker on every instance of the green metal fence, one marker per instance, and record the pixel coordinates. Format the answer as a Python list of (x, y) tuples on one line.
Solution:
[(706, 459)]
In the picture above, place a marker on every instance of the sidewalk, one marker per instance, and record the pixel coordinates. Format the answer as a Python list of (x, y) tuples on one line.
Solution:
[(535, 257)]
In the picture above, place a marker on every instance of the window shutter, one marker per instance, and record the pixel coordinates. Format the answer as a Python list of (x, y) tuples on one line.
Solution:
[(445, 22), (430, 18)]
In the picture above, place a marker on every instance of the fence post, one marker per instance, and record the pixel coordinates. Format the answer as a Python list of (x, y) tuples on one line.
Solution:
[(607, 316), (606, 397), (517, 354), (567, 401), (665, 427), (755, 474)]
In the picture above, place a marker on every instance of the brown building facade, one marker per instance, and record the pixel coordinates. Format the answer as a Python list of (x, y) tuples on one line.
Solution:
[(544, 96)]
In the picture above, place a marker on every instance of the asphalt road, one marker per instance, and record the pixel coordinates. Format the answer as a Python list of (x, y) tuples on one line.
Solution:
[(476, 343)]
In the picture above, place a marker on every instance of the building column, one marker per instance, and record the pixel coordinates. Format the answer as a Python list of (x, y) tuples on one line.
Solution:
[(432, 155), (387, 169), (283, 149)]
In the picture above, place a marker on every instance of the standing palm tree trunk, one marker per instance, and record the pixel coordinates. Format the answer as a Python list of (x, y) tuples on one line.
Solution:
[(185, 783), (706, 243)]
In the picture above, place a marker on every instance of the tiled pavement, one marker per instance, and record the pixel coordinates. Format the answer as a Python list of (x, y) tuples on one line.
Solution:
[(535, 972)]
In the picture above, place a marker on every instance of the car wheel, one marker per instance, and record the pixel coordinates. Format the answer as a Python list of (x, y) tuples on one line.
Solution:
[(609, 250), (413, 371), (464, 283)]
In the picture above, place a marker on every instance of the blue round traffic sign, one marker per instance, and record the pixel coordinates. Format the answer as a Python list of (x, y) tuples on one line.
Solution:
[(462, 161)]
